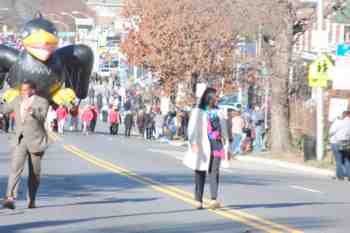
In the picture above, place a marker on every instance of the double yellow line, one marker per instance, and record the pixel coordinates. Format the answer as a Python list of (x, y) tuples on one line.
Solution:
[(235, 215), (54, 136)]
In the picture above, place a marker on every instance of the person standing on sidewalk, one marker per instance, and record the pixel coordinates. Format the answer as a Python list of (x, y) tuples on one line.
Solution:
[(149, 124), (31, 141), (158, 124), (259, 127), (339, 139), (237, 132), (140, 122), (206, 133), (62, 115)]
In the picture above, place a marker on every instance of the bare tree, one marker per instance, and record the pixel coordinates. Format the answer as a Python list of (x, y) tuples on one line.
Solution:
[(181, 40), (199, 36)]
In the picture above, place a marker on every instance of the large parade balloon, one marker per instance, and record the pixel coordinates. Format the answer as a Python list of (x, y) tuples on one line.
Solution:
[(60, 74)]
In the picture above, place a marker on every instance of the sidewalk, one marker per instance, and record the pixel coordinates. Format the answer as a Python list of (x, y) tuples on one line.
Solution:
[(287, 165), (257, 158)]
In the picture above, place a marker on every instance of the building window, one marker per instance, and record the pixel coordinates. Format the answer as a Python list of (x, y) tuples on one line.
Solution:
[(347, 33)]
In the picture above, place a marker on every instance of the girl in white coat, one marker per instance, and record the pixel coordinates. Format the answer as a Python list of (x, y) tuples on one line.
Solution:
[(207, 130)]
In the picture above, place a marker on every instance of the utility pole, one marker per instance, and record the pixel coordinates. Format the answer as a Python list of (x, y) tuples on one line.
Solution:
[(320, 99)]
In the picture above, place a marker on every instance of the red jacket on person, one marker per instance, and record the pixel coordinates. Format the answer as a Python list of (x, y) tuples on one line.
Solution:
[(114, 117), (87, 115), (62, 113), (13, 115)]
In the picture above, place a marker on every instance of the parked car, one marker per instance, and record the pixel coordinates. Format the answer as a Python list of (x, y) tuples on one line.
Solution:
[(230, 102)]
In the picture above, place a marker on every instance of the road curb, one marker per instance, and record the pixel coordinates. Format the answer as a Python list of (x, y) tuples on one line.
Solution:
[(288, 165), (272, 162)]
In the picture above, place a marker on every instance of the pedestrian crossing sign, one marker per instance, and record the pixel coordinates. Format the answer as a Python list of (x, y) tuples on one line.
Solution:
[(319, 72)]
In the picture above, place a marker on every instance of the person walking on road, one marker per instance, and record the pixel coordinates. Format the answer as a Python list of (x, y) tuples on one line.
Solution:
[(31, 141), (74, 120), (51, 119), (206, 132), (105, 112), (87, 118), (149, 125), (95, 113), (6, 120), (12, 121), (128, 123), (62, 115), (340, 145), (114, 121)]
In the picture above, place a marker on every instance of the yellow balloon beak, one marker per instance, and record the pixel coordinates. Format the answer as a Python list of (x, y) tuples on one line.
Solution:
[(41, 44)]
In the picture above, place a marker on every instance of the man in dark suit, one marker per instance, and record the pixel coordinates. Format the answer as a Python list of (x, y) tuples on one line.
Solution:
[(31, 140)]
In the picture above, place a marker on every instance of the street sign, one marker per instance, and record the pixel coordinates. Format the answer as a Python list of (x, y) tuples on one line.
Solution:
[(342, 68), (319, 72), (343, 50)]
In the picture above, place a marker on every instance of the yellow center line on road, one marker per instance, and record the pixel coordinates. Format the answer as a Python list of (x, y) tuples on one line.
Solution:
[(235, 215), (54, 137)]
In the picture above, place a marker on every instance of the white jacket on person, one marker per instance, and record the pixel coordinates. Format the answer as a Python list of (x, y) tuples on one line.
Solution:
[(198, 135), (340, 130)]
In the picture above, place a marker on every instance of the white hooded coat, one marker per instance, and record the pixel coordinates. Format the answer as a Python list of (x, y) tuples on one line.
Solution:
[(198, 135)]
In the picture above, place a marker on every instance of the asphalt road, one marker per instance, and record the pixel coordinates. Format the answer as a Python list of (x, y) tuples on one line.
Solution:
[(100, 183)]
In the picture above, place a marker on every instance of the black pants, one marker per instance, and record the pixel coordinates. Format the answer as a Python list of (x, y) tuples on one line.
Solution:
[(113, 129), (213, 173), (6, 123), (127, 131), (149, 132), (93, 125)]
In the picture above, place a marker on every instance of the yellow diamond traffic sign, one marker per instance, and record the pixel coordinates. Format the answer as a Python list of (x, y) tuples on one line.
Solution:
[(319, 72)]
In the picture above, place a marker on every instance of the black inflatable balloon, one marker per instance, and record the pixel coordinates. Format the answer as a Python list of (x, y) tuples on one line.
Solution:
[(48, 67)]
